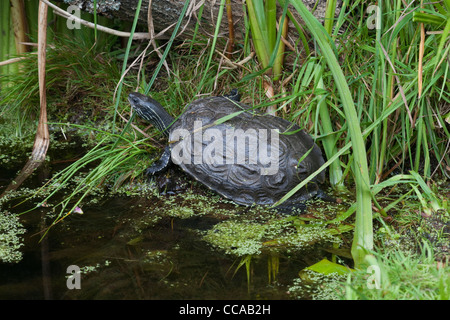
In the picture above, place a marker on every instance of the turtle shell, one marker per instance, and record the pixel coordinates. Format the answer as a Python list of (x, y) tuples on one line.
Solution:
[(250, 158)]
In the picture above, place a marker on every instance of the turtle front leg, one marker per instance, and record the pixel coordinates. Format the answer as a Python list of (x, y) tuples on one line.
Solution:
[(292, 208), (162, 164), (324, 196)]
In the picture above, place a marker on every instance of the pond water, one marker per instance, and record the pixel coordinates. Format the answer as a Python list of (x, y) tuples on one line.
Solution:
[(169, 260), (146, 247)]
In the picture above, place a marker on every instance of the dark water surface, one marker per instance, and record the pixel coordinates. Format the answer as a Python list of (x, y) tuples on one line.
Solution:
[(120, 259)]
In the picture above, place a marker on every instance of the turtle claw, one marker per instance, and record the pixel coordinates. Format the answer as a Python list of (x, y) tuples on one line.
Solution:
[(325, 197), (150, 171), (160, 165), (293, 209)]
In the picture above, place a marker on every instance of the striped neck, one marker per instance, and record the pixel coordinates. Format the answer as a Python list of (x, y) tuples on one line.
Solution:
[(152, 111)]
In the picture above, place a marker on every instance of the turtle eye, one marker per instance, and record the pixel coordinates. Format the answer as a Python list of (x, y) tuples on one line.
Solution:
[(135, 100), (302, 169)]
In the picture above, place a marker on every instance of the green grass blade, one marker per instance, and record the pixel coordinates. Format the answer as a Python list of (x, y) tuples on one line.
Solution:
[(125, 62)]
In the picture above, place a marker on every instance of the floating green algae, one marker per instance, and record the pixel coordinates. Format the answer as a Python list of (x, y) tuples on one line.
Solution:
[(247, 237)]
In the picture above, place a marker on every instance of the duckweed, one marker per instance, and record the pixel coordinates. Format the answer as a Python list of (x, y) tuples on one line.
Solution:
[(318, 286), (242, 238), (94, 268), (10, 238)]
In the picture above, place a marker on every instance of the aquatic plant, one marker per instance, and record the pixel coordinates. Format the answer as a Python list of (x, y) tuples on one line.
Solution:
[(246, 238), (11, 230), (318, 286)]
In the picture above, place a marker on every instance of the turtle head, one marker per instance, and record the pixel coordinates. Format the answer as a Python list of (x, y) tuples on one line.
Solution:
[(151, 110)]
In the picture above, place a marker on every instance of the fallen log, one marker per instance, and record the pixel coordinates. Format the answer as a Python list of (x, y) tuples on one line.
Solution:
[(165, 13)]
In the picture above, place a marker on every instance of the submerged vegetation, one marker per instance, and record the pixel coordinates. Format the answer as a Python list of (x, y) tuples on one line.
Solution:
[(371, 87)]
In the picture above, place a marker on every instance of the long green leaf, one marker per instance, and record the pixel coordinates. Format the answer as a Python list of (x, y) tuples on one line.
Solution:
[(259, 35), (363, 237), (328, 142), (270, 23)]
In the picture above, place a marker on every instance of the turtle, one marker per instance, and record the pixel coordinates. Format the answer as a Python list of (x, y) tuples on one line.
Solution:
[(226, 145)]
